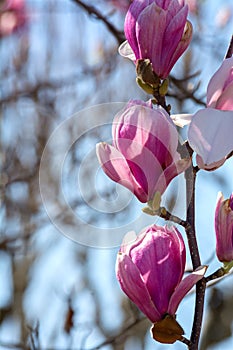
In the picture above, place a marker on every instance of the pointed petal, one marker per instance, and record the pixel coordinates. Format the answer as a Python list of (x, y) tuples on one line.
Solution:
[(134, 287), (152, 34), (130, 22), (116, 167), (210, 134), (174, 29), (184, 287), (164, 247), (181, 47), (170, 172)]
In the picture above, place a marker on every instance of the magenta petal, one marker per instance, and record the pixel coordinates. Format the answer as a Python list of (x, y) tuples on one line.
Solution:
[(224, 228), (180, 49), (164, 247), (116, 167), (130, 22), (184, 287), (174, 30), (150, 36), (152, 128), (134, 287), (210, 134)]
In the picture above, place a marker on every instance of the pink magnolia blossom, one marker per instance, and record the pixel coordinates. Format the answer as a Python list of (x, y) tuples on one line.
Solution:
[(144, 155), (210, 131), (224, 228), (151, 268), (157, 30), (13, 16)]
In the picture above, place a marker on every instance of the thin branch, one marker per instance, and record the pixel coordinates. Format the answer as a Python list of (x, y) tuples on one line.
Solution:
[(113, 339), (91, 10), (198, 315), (183, 90), (190, 176), (166, 215), (217, 274)]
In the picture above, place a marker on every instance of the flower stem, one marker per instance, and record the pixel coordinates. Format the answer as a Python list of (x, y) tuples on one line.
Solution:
[(190, 175), (217, 274), (198, 315)]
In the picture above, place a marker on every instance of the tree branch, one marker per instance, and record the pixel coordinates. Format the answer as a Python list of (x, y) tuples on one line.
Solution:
[(91, 10)]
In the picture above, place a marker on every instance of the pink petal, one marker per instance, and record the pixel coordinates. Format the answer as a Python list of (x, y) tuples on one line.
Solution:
[(169, 173), (210, 134), (116, 167), (150, 29), (224, 228), (152, 128), (134, 287), (181, 47), (184, 287), (217, 82), (174, 29), (130, 22), (225, 101), (164, 247)]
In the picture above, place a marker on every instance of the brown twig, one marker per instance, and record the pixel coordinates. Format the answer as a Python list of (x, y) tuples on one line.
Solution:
[(119, 35), (190, 176)]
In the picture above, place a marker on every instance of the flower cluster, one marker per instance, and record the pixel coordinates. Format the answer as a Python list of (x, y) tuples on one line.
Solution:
[(144, 158)]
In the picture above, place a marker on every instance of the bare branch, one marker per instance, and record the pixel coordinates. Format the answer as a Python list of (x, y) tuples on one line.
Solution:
[(91, 10)]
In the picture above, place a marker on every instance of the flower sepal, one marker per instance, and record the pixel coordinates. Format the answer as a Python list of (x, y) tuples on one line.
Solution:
[(145, 72), (167, 331), (227, 266)]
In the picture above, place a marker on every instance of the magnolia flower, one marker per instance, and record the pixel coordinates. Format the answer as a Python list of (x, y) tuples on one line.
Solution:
[(157, 30), (12, 16), (224, 228), (144, 155), (210, 130), (150, 271)]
